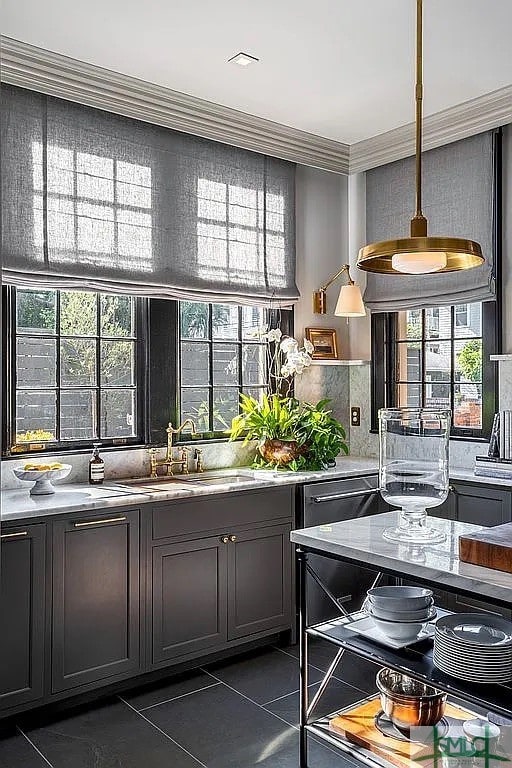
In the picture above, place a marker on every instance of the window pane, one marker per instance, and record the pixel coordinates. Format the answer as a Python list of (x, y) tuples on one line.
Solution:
[(194, 405), (224, 321), (35, 411), (193, 320), (468, 360), (225, 364), (409, 325), (408, 360), (117, 413), (35, 311), (225, 407), (78, 313), (77, 415), (195, 368), (35, 362), (438, 361), (253, 318), (117, 315), (117, 363), (468, 320), (467, 411), (438, 323), (254, 369), (437, 395), (78, 362), (408, 395)]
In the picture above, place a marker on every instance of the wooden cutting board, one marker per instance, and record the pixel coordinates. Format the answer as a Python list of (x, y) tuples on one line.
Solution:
[(358, 727), (491, 548)]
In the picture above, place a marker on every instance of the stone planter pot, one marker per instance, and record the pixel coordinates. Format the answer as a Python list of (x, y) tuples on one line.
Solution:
[(281, 451)]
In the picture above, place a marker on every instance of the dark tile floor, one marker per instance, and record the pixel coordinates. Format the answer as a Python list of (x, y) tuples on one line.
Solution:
[(235, 714)]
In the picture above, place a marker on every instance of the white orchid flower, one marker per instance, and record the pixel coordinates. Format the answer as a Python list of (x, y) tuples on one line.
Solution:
[(308, 347), (274, 335), (288, 345)]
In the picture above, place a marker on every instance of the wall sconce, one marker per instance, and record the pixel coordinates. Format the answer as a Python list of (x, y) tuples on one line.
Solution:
[(350, 301)]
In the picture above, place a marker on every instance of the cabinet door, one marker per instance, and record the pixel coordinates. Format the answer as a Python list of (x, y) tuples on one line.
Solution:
[(22, 608), (259, 581), (95, 617), (483, 505), (189, 598), (487, 506)]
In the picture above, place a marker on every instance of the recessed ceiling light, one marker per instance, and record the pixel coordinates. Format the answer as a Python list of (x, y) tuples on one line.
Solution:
[(243, 59)]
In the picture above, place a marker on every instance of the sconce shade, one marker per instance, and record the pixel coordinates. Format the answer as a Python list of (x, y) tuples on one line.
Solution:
[(350, 302)]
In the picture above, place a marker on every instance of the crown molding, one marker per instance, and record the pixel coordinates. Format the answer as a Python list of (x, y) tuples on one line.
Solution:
[(37, 69), (31, 67), (466, 119)]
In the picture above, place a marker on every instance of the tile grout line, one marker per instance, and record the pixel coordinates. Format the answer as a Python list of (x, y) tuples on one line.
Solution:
[(293, 693), (153, 725), (34, 746), (272, 714), (318, 669), (175, 698)]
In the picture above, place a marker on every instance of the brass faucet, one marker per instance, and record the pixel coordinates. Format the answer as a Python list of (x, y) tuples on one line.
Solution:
[(170, 460)]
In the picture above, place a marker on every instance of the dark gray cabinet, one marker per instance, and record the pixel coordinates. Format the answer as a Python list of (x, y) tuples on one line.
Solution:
[(259, 581), (95, 589), (188, 601), (22, 608)]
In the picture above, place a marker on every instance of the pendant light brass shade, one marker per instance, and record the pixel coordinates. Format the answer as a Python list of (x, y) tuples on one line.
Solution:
[(420, 254)]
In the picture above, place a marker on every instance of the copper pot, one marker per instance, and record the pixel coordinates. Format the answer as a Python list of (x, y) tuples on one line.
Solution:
[(409, 703), (281, 451)]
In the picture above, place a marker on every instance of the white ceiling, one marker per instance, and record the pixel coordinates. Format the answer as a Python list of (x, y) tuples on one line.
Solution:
[(342, 69)]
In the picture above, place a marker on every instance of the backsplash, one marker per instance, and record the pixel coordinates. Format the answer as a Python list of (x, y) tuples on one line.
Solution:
[(133, 463)]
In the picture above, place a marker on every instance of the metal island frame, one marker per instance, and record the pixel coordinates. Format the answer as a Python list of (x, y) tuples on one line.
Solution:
[(360, 541)]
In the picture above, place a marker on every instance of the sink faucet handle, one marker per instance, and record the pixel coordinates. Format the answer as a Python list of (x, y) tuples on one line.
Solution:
[(152, 462), (184, 454)]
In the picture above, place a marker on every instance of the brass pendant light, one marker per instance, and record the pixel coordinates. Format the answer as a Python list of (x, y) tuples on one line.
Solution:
[(419, 253)]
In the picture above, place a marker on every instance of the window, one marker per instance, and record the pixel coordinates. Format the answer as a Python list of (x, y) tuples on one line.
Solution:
[(438, 357), (73, 371), (219, 358)]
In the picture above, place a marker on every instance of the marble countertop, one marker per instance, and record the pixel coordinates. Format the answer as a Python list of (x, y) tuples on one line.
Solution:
[(461, 473), (362, 540), (17, 504)]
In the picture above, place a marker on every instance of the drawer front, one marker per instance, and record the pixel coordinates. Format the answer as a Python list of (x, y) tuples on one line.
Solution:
[(210, 513)]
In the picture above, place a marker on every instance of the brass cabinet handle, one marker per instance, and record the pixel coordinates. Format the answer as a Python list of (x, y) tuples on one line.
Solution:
[(87, 523), (224, 539), (13, 535), (232, 538)]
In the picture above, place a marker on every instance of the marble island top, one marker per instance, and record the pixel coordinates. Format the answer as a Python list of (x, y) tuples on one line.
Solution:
[(17, 504), (361, 540)]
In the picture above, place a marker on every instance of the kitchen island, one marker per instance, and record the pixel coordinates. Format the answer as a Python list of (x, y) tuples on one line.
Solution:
[(361, 541)]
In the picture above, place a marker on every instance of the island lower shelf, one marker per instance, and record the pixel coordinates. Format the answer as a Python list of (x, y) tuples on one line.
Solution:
[(416, 661)]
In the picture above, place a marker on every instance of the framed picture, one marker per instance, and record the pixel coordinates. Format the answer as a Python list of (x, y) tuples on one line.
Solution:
[(324, 341)]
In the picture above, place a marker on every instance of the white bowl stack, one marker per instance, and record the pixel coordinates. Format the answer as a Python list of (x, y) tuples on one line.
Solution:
[(474, 647), (400, 612)]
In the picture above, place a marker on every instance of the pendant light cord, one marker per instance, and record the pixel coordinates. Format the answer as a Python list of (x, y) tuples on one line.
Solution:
[(419, 100), (419, 222)]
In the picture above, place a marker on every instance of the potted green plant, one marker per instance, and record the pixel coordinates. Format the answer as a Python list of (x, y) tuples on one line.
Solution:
[(291, 435)]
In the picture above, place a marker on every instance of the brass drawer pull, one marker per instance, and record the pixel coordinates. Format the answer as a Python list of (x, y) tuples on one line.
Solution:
[(232, 538), (224, 539), (13, 535), (104, 521)]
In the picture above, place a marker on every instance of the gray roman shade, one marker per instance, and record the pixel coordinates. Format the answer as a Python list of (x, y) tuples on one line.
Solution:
[(94, 200), (458, 200)]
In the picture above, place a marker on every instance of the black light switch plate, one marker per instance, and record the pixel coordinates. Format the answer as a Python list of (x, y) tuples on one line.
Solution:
[(355, 416)]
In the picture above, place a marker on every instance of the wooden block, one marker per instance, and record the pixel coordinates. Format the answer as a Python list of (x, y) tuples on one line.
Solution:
[(491, 548)]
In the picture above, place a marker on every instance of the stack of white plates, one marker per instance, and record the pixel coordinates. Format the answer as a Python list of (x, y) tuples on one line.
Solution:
[(474, 647)]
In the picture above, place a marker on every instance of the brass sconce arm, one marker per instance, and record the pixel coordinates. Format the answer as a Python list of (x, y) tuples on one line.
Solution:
[(349, 304)]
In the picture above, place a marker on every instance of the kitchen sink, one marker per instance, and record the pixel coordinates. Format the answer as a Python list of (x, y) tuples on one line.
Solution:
[(224, 477)]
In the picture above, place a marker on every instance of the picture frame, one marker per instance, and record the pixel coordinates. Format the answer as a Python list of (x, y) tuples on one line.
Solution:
[(324, 341)]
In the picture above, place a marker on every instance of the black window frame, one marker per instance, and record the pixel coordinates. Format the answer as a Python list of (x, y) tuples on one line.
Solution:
[(9, 338), (384, 367)]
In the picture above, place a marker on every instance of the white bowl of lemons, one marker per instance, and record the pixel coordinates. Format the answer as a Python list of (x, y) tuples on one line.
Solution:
[(42, 475)]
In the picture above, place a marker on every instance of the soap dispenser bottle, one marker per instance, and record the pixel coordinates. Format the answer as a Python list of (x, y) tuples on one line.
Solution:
[(96, 466)]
